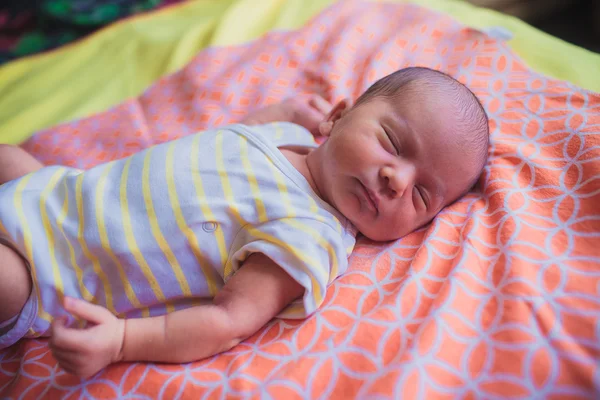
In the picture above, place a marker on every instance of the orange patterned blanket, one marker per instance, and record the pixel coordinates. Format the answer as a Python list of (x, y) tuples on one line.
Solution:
[(498, 297)]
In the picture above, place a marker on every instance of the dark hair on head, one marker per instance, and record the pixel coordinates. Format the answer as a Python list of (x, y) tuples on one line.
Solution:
[(470, 111)]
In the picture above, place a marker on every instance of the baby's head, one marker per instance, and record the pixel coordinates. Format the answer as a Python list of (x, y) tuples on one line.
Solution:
[(413, 143)]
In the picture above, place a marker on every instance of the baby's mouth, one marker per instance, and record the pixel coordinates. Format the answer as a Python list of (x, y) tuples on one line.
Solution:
[(371, 198)]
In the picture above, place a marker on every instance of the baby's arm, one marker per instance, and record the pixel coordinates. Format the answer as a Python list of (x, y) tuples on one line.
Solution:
[(16, 162), (252, 297)]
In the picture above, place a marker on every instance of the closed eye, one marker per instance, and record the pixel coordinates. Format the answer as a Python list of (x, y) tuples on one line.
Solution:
[(423, 197), (389, 137)]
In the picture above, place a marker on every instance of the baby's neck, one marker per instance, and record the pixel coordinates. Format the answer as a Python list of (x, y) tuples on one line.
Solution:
[(298, 160)]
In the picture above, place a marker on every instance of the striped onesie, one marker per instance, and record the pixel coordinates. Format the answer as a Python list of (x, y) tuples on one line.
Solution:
[(159, 230)]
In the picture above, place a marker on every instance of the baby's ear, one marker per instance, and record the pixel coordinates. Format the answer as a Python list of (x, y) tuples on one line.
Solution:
[(337, 112)]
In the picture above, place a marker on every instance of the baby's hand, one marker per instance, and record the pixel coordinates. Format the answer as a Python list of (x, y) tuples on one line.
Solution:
[(83, 352), (306, 110)]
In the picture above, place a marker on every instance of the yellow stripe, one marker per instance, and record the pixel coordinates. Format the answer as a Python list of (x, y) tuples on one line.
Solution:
[(287, 201), (227, 270), (206, 211), (314, 208), (294, 310), (58, 283), (82, 243), (183, 283), (78, 272), (333, 272), (349, 250), (100, 187), (221, 166), (260, 205), (18, 200), (3, 229), (278, 130), (156, 233), (253, 231), (179, 218), (317, 294)]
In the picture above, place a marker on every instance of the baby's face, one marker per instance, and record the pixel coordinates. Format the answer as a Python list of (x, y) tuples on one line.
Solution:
[(390, 168)]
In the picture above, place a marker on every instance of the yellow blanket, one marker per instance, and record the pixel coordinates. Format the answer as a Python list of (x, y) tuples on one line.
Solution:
[(122, 60)]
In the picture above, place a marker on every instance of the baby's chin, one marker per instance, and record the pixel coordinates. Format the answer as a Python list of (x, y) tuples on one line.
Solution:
[(381, 236)]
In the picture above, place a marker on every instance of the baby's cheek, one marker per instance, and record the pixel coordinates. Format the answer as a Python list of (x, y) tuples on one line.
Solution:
[(363, 154), (403, 221)]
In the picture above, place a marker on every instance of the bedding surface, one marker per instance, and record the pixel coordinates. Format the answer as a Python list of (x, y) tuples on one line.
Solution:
[(120, 61), (498, 297)]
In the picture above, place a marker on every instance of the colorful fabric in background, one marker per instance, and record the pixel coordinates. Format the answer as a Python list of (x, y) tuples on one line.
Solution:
[(31, 27), (498, 298)]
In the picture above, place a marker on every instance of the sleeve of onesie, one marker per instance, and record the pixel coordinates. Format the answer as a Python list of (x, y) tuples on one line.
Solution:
[(310, 251)]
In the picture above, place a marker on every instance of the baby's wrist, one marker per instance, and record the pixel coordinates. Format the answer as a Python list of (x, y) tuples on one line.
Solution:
[(122, 328)]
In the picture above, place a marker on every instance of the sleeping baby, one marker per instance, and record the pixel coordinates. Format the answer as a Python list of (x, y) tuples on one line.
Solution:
[(187, 248)]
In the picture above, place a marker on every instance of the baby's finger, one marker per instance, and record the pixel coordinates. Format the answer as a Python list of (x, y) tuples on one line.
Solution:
[(311, 120), (75, 365), (88, 311), (62, 354), (63, 338), (56, 332), (66, 361), (320, 104), (69, 368)]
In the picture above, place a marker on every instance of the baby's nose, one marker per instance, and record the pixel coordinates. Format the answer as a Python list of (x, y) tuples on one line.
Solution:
[(398, 179)]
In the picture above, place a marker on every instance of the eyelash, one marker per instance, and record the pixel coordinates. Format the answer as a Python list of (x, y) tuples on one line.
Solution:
[(392, 142), (422, 196), (397, 150)]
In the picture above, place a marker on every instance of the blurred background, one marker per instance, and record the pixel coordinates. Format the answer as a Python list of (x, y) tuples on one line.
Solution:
[(576, 21), (33, 26)]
